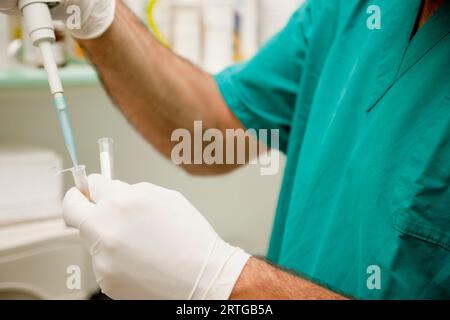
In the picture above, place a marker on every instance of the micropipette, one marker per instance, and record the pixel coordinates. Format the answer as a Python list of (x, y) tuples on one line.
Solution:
[(61, 108), (38, 20)]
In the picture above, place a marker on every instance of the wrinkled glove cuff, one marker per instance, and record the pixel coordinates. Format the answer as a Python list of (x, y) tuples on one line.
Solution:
[(221, 273)]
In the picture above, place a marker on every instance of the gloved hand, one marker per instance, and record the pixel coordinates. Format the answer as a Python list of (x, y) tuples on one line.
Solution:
[(148, 242), (96, 15)]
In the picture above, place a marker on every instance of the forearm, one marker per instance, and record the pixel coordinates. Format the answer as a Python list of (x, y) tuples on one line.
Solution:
[(261, 281), (156, 90)]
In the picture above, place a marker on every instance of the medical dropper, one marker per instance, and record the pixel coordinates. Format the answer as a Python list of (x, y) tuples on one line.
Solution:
[(39, 25)]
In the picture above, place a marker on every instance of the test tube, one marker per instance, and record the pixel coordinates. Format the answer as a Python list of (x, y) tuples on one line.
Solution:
[(106, 157), (80, 179)]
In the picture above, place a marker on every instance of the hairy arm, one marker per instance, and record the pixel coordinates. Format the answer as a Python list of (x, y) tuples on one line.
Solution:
[(156, 90), (261, 281)]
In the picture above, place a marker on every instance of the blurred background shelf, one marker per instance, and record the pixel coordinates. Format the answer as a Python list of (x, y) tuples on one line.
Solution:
[(24, 77)]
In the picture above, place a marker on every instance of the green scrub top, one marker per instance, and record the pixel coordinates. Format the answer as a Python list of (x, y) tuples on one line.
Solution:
[(364, 119)]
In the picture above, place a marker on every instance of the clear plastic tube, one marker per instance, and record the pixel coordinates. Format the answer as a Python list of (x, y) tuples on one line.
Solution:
[(80, 179), (106, 157)]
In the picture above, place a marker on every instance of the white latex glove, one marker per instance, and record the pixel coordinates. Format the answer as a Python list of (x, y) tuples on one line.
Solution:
[(148, 242), (96, 15)]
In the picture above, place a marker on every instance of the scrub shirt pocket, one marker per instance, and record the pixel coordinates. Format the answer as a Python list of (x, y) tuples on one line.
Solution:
[(421, 198)]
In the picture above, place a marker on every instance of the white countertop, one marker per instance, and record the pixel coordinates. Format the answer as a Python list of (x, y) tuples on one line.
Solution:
[(23, 234)]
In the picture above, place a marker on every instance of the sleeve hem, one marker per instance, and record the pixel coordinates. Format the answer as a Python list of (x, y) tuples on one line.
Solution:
[(232, 98)]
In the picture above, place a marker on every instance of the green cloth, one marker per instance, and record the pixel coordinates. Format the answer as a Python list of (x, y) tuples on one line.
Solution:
[(364, 119)]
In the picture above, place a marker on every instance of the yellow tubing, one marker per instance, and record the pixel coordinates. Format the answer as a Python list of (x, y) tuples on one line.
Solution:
[(152, 24)]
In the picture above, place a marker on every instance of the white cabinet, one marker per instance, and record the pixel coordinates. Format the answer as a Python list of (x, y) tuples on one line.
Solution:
[(44, 260)]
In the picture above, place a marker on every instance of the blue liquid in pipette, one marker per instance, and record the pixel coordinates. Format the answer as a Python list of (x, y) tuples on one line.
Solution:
[(63, 115)]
